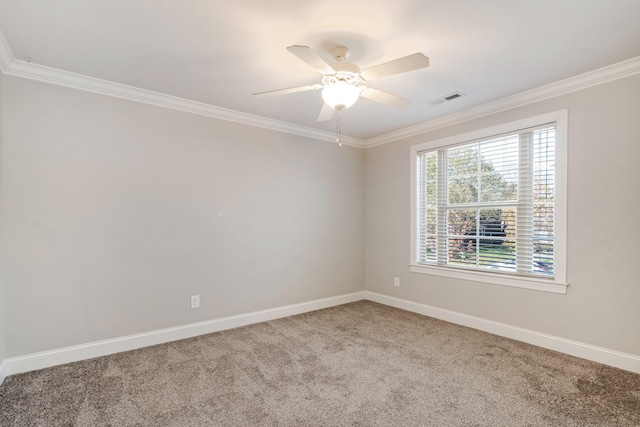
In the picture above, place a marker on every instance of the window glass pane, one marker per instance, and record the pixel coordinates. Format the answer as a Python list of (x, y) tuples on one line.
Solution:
[(430, 222), (461, 222), (462, 169), (543, 256), (543, 200), (499, 169), (497, 239), (428, 238), (494, 223), (495, 188), (431, 194), (462, 251), (462, 160), (501, 257), (543, 220), (431, 160), (429, 248), (462, 239), (428, 202), (463, 189)]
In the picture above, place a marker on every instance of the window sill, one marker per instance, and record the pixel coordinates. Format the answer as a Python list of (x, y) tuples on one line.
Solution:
[(538, 284)]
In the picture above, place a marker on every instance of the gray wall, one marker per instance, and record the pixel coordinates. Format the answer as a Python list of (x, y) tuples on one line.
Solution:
[(602, 305), (2, 309), (116, 212), (111, 219)]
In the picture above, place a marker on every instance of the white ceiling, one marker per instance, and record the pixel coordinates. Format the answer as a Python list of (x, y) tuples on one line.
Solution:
[(219, 52)]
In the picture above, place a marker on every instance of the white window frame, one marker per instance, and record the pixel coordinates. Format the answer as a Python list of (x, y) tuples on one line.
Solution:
[(557, 284)]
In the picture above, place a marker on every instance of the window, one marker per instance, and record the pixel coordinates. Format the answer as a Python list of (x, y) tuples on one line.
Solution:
[(490, 205)]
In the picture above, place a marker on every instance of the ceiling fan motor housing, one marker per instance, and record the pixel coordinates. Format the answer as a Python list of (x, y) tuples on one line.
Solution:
[(341, 76)]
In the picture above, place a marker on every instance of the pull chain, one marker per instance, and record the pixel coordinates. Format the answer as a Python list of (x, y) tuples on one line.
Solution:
[(339, 128)]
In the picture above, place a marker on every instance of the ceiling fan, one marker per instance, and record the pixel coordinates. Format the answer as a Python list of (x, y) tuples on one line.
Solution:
[(343, 83)]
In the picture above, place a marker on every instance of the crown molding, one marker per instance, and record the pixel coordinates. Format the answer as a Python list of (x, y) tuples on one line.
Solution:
[(572, 84), (11, 66), (58, 77)]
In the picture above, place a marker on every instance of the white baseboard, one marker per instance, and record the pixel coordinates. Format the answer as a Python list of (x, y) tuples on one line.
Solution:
[(3, 371), (605, 356), (45, 359), (30, 362)]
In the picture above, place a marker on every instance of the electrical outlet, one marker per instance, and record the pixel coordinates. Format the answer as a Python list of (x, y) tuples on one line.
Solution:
[(195, 301), (396, 282)]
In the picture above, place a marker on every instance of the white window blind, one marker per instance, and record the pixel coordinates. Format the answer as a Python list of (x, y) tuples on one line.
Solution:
[(489, 204)]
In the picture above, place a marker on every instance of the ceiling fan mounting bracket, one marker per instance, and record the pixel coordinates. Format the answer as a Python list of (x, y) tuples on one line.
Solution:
[(340, 53)]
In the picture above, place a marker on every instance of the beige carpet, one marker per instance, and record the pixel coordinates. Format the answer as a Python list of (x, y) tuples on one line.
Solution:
[(361, 364)]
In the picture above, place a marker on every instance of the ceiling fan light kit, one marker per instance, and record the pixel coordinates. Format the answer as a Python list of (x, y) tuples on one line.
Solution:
[(340, 81), (340, 95)]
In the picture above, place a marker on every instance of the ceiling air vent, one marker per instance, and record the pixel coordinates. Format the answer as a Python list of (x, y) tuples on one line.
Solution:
[(450, 97)]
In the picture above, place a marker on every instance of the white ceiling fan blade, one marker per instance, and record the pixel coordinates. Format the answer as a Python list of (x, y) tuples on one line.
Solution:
[(311, 58), (326, 113), (397, 66), (385, 98), (288, 90)]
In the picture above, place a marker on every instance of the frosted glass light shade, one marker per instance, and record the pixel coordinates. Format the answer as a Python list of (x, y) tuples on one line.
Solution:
[(340, 95)]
